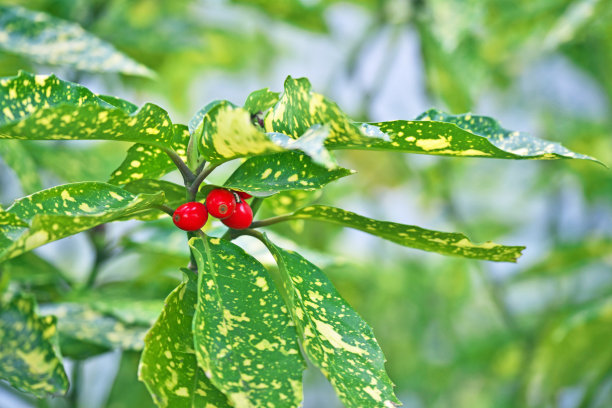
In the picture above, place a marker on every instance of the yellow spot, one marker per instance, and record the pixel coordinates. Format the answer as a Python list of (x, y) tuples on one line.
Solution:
[(135, 163), (37, 239), (261, 282), (182, 392), (335, 338), (266, 173), (66, 196), (293, 178), (374, 393), (7, 112), (432, 144), (152, 131), (116, 196), (85, 207)]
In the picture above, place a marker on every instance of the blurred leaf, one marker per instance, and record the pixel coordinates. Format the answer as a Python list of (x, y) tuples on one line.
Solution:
[(446, 243), (280, 172), (168, 365), (47, 108), (29, 357), (13, 153), (65, 210), (81, 322), (127, 391), (36, 275), (243, 334), (333, 335), (308, 15), (49, 40)]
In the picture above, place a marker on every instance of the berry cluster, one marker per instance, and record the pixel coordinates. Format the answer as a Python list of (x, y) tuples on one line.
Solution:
[(227, 205)]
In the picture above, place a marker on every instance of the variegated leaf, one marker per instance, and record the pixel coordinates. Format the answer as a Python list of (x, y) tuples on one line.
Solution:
[(81, 322), (49, 40), (29, 354), (335, 338), (446, 243), (227, 133), (15, 155), (282, 171), (47, 108), (261, 100), (150, 162), (468, 135), (244, 337), (65, 210), (7, 218), (168, 365)]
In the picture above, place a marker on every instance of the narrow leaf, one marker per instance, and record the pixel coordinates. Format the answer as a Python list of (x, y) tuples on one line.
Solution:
[(47, 108), (438, 133), (335, 338), (282, 171), (168, 365), (49, 40), (150, 162), (29, 356), (446, 243), (244, 337), (65, 210)]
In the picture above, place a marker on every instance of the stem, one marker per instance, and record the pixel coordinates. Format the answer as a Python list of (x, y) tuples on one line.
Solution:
[(256, 204), (193, 265), (97, 237), (272, 220), (73, 399), (165, 208), (197, 181), (187, 174)]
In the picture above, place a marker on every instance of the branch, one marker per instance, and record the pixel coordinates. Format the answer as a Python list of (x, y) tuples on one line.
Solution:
[(187, 174), (273, 220), (197, 181), (165, 209)]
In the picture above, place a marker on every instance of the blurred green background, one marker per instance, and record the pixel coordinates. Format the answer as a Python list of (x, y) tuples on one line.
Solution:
[(456, 333)]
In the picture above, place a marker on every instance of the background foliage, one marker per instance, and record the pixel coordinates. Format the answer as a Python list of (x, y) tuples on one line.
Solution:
[(456, 332)]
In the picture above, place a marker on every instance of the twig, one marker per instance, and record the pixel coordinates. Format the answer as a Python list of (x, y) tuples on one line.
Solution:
[(187, 174), (197, 181), (164, 208), (272, 220)]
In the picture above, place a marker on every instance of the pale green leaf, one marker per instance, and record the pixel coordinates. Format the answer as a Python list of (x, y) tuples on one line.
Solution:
[(261, 100), (227, 133), (15, 155), (168, 365), (45, 39), (446, 243), (65, 210), (29, 355), (150, 162), (244, 337), (81, 322), (129, 311), (47, 108), (268, 174), (335, 338)]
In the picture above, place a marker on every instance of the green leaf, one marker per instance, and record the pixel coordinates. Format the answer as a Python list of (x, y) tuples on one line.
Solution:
[(265, 175), (150, 162), (127, 391), (335, 338), (29, 356), (228, 133), (261, 100), (143, 312), (14, 154), (174, 194), (48, 40), (65, 210), (47, 108), (7, 218), (467, 135), (81, 322), (244, 337), (168, 365), (446, 243), (299, 109)]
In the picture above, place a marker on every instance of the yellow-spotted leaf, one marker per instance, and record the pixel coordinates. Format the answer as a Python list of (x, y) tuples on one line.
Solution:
[(467, 135), (150, 162), (29, 354), (16, 156), (45, 39), (7, 218), (260, 100), (78, 321), (447, 243), (244, 337), (168, 364), (65, 210), (227, 132), (47, 108), (299, 109), (269, 174), (335, 338)]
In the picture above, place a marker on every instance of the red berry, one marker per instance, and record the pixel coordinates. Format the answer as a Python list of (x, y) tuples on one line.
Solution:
[(243, 195), (221, 203), (190, 216), (241, 218)]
